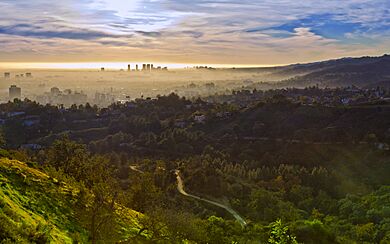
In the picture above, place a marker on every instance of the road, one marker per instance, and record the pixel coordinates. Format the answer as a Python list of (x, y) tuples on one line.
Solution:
[(135, 168), (180, 188)]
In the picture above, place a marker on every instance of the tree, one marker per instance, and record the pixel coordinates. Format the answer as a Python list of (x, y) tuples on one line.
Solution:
[(69, 156), (2, 139), (280, 234), (171, 226), (97, 202), (14, 132), (221, 231)]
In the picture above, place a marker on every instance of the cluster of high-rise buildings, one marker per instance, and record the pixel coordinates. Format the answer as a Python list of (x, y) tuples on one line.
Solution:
[(7, 75), (144, 68), (66, 97)]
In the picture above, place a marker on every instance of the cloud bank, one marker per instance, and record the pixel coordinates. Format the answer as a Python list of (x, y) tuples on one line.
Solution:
[(186, 31)]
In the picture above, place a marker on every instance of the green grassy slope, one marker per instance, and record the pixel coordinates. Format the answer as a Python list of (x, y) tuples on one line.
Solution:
[(35, 207)]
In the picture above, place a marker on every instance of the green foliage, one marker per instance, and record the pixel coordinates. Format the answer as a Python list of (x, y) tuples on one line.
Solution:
[(4, 153), (313, 232), (69, 156), (222, 231), (267, 205), (14, 133), (2, 139), (318, 168), (28, 213), (280, 234)]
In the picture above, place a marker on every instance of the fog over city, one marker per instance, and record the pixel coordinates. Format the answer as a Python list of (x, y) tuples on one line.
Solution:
[(105, 86)]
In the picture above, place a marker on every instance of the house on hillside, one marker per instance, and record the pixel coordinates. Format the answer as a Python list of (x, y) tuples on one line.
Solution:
[(200, 119), (32, 120)]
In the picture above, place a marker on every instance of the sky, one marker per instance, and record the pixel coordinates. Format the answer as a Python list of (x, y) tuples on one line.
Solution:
[(225, 32)]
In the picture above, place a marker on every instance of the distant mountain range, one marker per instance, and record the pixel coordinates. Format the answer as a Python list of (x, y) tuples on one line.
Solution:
[(364, 72)]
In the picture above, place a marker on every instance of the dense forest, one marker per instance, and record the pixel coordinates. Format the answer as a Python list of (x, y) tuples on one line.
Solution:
[(294, 173)]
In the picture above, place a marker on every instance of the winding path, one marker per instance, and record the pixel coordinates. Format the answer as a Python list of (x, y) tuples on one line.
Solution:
[(180, 188), (135, 168)]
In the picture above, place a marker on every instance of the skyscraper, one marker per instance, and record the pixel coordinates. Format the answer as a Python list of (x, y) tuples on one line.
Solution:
[(148, 67), (151, 67), (143, 67), (15, 92), (136, 67), (128, 68)]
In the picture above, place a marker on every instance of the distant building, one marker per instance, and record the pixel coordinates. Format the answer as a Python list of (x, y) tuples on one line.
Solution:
[(102, 69), (151, 67), (102, 99), (129, 67), (148, 67), (7, 75), (55, 91), (78, 98), (136, 67), (144, 67), (31, 146), (28, 75), (180, 123), (210, 85), (15, 92), (30, 121), (67, 91), (200, 119), (15, 114)]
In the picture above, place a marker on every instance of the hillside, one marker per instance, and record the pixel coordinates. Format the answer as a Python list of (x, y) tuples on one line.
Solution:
[(36, 208), (363, 72), (28, 212)]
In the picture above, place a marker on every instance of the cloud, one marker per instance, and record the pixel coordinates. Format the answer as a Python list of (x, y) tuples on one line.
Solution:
[(57, 31), (240, 31), (149, 33)]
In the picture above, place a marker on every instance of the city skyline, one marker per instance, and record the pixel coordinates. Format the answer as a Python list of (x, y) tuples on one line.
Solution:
[(180, 33)]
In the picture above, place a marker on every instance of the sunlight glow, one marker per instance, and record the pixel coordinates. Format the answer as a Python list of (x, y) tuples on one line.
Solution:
[(122, 8)]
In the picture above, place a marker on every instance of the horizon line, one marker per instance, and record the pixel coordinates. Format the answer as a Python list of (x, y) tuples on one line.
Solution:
[(123, 65), (118, 65)]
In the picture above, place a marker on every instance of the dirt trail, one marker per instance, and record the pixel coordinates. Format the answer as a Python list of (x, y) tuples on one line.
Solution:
[(180, 188)]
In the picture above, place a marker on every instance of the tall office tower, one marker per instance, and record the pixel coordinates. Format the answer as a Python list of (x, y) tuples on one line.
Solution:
[(136, 67), (151, 67), (148, 67), (15, 92), (7, 75), (143, 67), (128, 68)]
